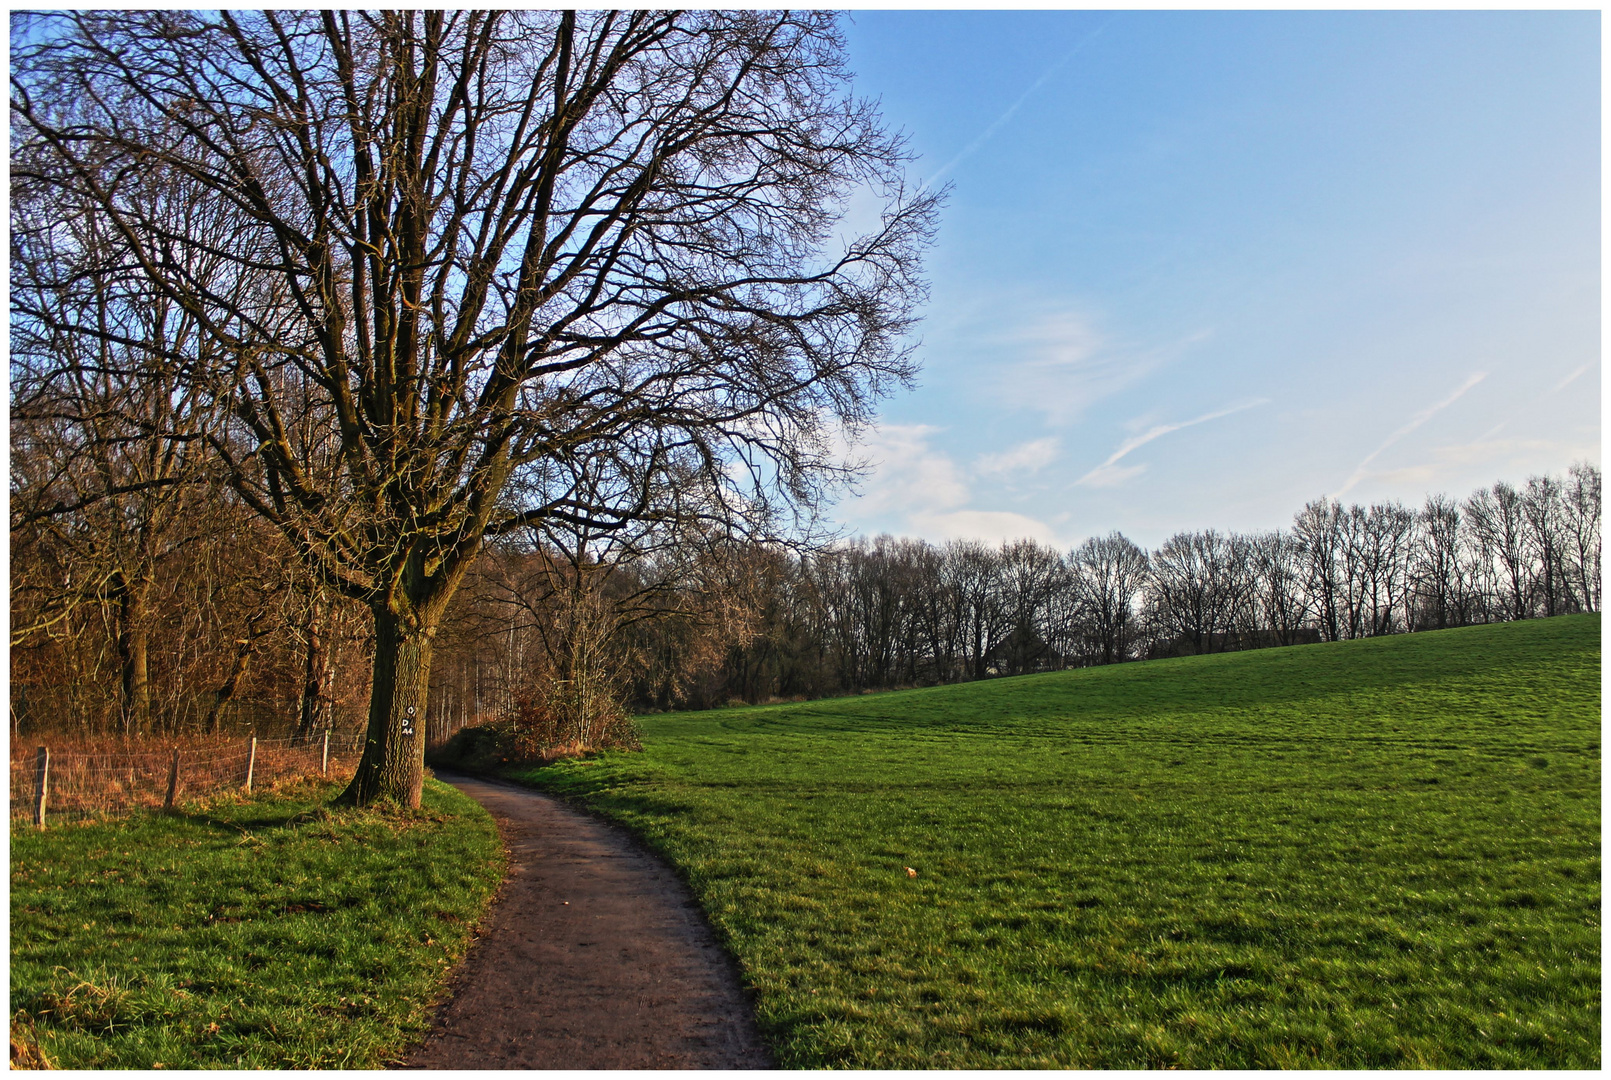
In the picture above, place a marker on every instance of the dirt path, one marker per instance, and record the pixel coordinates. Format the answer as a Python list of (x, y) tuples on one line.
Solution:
[(594, 956)]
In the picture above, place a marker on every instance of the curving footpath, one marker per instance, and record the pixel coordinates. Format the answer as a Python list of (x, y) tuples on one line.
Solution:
[(594, 956)]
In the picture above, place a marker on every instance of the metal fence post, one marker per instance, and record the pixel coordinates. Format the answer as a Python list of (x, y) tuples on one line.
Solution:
[(324, 763), (251, 760), (41, 783)]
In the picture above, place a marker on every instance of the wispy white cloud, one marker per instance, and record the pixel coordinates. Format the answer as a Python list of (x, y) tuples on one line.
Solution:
[(1415, 421), (1111, 474), (907, 474), (1022, 460), (991, 526), (1475, 463), (1057, 362), (916, 489)]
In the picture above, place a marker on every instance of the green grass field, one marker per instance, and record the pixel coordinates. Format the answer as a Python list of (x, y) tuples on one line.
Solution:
[(274, 932), (1381, 853)]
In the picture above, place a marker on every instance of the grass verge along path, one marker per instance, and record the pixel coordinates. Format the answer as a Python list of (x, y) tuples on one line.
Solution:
[(274, 932), (1380, 853)]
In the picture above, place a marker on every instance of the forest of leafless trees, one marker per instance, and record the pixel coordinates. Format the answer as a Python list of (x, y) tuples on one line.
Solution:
[(388, 291), (226, 632), (403, 370)]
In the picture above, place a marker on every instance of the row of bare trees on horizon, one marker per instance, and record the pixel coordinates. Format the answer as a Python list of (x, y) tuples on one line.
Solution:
[(888, 612), (169, 609)]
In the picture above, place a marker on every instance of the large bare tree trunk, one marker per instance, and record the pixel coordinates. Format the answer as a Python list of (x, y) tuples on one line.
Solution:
[(393, 764)]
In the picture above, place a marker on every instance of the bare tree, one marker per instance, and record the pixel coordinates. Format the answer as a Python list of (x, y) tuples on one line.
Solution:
[(107, 478), (1377, 545), (1498, 528), (1319, 537), (1438, 573), (1542, 519), (937, 615), (873, 607), (971, 570), (1195, 593), (594, 251), (1030, 575), (1581, 512), (319, 620), (1110, 573), (1281, 606)]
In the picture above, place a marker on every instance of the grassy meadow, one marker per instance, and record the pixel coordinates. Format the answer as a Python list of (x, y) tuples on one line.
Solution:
[(1381, 853), (269, 932)]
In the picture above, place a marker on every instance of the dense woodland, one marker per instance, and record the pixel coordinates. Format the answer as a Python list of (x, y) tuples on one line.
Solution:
[(170, 608)]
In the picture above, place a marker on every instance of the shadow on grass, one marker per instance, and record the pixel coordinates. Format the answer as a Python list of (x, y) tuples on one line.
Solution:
[(293, 812)]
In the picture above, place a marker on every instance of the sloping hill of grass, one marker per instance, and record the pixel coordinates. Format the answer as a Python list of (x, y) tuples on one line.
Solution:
[(1380, 853), (272, 932)]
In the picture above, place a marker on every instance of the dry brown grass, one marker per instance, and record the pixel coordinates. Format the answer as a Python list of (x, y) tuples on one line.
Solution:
[(25, 1050), (91, 776)]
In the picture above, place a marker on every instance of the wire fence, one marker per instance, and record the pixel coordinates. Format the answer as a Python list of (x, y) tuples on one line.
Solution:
[(68, 778)]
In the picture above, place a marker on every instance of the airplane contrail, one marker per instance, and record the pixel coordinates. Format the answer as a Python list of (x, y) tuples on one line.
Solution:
[(1001, 120), (1415, 421), (1564, 383), (1161, 430)]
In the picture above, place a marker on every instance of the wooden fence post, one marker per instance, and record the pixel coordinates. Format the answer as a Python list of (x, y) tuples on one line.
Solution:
[(251, 760), (41, 782), (173, 780), (324, 764)]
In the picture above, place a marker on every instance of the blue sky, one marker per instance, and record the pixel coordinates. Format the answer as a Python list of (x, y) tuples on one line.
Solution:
[(1199, 268)]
